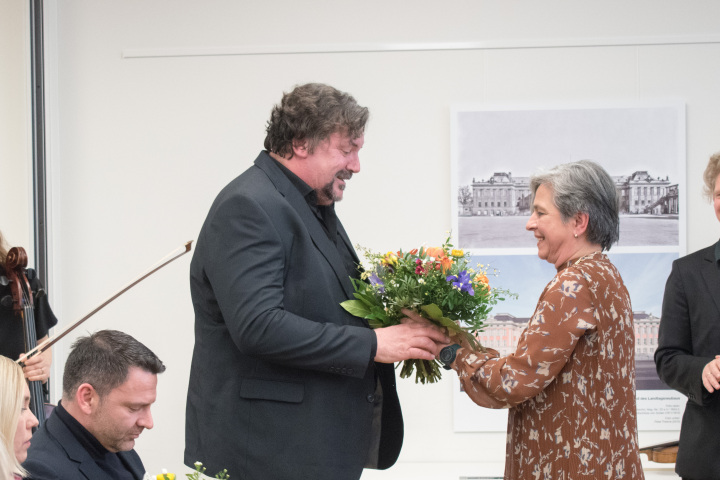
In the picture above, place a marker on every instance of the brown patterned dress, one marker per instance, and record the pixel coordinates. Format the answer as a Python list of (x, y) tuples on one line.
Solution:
[(570, 385)]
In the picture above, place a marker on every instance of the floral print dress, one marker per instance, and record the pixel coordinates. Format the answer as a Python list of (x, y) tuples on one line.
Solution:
[(570, 385)]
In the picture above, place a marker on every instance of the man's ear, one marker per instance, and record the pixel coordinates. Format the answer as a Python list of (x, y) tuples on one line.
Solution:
[(86, 398), (300, 148)]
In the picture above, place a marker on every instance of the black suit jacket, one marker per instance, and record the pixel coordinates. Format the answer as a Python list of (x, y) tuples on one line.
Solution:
[(282, 382), (55, 454), (689, 338)]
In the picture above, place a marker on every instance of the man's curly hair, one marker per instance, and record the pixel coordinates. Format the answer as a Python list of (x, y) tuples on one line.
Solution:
[(312, 112)]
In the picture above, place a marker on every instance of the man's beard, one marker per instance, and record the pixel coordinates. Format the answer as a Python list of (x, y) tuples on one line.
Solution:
[(327, 192)]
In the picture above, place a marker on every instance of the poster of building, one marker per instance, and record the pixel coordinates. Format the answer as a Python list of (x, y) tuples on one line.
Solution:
[(496, 150)]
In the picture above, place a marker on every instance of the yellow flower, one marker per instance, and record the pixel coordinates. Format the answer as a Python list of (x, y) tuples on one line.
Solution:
[(390, 258), (457, 253)]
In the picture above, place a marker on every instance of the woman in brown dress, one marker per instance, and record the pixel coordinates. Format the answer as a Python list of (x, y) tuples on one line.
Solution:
[(570, 384)]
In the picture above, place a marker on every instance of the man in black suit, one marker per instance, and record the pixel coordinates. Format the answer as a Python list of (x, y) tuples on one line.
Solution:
[(689, 344), (109, 384), (284, 383)]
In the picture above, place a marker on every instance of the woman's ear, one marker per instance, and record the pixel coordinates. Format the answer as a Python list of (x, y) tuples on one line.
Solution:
[(581, 220)]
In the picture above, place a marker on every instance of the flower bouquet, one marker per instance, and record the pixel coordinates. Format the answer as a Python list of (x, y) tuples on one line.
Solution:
[(436, 282)]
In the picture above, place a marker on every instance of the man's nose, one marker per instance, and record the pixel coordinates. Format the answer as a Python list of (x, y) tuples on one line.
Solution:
[(354, 164), (146, 420)]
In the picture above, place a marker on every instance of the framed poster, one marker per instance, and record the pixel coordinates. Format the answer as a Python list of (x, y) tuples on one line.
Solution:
[(495, 150)]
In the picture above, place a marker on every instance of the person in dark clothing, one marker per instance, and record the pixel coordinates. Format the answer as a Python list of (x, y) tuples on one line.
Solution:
[(284, 383), (12, 339), (688, 353)]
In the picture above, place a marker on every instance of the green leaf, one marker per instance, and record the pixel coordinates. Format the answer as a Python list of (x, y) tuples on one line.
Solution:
[(369, 299), (375, 323), (433, 312), (356, 307)]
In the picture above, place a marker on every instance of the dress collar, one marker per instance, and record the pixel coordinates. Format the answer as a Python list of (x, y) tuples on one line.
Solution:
[(574, 261)]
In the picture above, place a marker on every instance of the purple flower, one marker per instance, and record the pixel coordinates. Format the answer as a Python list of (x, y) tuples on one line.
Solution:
[(462, 282), (375, 281)]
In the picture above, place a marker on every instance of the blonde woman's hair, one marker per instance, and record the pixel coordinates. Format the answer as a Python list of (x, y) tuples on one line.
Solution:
[(11, 403), (6, 470), (711, 174)]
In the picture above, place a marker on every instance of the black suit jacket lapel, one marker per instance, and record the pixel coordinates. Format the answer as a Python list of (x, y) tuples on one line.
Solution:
[(74, 451), (130, 461), (711, 275), (317, 233), (346, 240)]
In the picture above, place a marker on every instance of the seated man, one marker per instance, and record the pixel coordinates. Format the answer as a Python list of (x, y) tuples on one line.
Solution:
[(109, 385)]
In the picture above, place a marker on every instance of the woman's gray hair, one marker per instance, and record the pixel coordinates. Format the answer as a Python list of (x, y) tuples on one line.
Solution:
[(586, 187)]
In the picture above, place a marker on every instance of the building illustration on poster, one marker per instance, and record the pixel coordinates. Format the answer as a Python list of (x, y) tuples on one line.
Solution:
[(503, 194), (495, 151), (649, 210)]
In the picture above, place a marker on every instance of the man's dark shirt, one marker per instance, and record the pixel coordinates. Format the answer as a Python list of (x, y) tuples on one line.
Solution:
[(328, 219)]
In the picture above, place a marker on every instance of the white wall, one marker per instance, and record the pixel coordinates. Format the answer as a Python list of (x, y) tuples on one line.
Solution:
[(15, 134), (159, 104)]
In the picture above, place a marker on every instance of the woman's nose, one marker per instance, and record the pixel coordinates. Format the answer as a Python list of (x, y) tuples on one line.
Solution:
[(531, 223)]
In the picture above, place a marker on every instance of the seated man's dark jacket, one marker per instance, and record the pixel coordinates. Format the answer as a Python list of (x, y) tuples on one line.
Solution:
[(58, 451)]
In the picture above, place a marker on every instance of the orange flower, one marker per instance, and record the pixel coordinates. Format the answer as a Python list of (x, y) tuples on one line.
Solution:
[(435, 252), (414, 251), (480, 278), (445, 262)]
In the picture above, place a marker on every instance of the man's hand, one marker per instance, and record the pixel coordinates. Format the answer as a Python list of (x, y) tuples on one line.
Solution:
[(711, 375), (416, 337)]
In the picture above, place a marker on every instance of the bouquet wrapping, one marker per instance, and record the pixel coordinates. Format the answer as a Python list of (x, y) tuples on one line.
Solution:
[(436, 282)]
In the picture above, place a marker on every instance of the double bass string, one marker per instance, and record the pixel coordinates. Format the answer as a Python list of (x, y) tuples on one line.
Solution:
[(29, 318), (25, 297)]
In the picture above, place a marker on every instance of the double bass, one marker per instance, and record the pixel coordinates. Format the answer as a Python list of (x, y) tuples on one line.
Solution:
[(23, 305)]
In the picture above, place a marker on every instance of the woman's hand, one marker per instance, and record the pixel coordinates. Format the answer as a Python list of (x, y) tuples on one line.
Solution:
[(38, 367)]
